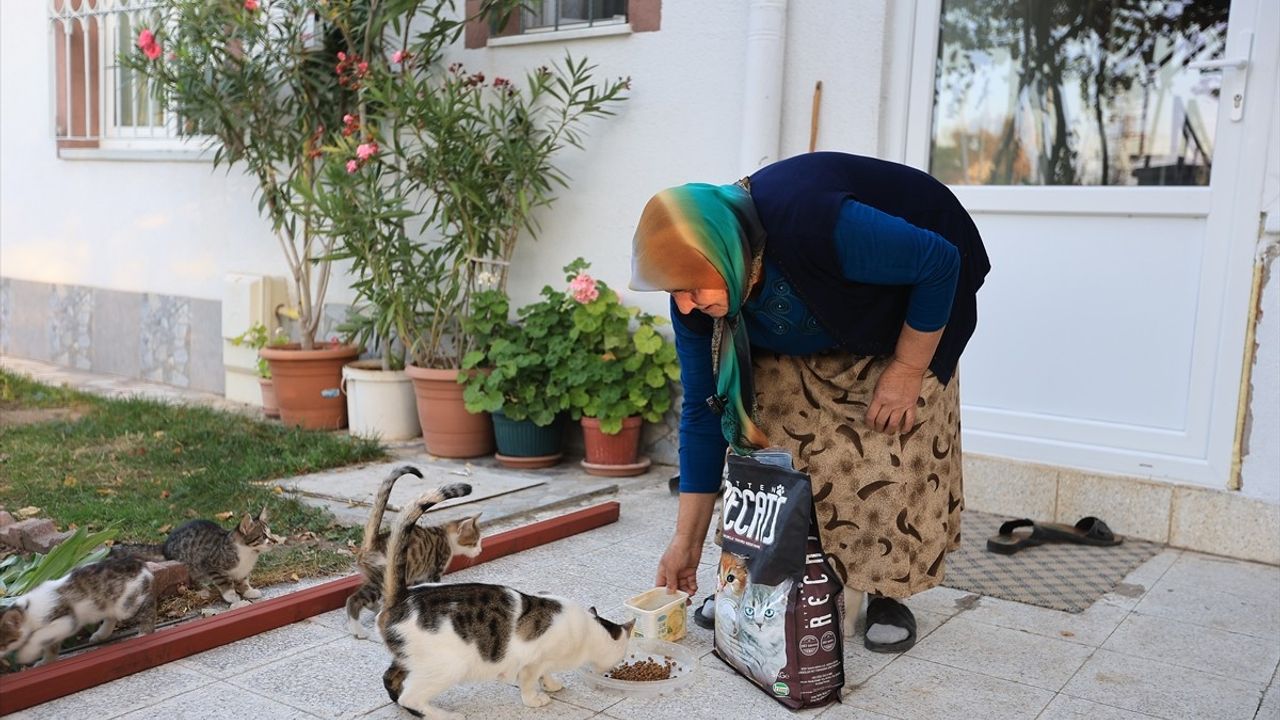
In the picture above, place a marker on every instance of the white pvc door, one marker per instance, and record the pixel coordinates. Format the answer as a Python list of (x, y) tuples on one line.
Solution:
[(1113, 155)]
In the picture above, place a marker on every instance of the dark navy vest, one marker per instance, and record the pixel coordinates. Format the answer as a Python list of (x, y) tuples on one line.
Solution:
[(799, 201)]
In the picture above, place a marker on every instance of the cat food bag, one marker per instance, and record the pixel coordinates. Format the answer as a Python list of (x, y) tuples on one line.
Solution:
[(778, 602)]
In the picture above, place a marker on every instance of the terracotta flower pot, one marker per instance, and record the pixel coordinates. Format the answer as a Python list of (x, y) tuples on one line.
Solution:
[(448, 430), (613, 455), (270, 407), (307, 384)]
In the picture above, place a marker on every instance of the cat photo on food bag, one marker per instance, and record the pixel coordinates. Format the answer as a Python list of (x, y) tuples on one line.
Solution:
[(731, 584), (762, 629)]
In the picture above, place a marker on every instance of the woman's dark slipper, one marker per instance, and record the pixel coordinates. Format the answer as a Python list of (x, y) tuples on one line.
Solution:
[(1088, 531), (704, 616), (887, 611)]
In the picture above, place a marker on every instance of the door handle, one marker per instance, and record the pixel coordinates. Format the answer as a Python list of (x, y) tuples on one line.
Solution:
[(1233, 84), (1234, 63)]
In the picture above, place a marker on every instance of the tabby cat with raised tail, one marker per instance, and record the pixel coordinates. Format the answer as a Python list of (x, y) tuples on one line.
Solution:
[(222, 558), (109, 591), (428, 550), (441, 635)]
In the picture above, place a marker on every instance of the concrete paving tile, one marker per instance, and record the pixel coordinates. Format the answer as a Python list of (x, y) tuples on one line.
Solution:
[(634, 570), (219, 701), (1065, 707), (336, 619), (1003, 653), (940, 600), (1161, 689), (1234, 576), (860, 663), (341, 679), (716, 693), (488, 701), (257, 650), (1091, 627), (1227, 654), (1149, 572), (838, 711), (1270, 707), (924, 689), (1215, 607), (119, 697), (580, 590), (503, 571)]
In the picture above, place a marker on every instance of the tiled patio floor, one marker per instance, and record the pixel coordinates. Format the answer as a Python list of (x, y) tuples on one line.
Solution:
[(1200, 639)]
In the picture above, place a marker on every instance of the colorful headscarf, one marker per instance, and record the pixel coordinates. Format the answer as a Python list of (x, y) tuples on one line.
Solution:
[(701, 236)]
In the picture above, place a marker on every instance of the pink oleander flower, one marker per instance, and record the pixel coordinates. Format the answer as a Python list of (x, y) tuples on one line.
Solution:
[(148, 45), (583, 288), (352, 166), (364, 151), (251, 5), (399, 56)]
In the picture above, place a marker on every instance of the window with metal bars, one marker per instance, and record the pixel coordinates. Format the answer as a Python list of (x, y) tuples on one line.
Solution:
[(94, 102), (552, 15), (540, 20)]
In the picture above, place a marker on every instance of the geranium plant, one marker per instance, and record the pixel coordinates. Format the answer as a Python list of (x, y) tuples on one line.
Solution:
[(523, 361), (619, 366)]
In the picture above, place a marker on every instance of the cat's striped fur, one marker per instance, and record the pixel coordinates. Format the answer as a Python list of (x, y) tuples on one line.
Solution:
[(428, 550), (109, 591), (222, 558)]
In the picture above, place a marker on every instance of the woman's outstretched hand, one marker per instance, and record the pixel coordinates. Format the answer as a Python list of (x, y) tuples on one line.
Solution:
[(893, 406), (678, 568)]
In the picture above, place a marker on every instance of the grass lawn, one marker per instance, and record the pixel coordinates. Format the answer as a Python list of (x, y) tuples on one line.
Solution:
[(145, 467)]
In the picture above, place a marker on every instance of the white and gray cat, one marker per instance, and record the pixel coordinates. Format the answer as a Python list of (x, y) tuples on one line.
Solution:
[(443, 635), (109, 591), (762, 629)]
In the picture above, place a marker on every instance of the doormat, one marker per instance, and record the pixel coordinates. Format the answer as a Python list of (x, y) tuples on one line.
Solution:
[(1060, 576)]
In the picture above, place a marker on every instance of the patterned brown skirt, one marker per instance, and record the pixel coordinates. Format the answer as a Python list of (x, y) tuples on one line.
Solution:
[(888, 505)]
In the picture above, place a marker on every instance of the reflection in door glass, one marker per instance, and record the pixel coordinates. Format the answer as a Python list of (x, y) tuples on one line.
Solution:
[(1076, 92)]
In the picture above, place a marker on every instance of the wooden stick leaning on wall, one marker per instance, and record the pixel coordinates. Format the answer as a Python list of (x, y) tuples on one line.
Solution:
[(813, 118)]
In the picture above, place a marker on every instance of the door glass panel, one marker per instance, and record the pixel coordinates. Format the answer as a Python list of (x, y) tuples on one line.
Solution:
[(1076, 92)]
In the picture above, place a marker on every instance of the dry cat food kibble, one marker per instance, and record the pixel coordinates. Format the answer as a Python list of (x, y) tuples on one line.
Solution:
[(643, 670)]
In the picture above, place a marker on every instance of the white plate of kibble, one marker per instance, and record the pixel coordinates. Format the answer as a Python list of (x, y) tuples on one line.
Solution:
[(670, 666)]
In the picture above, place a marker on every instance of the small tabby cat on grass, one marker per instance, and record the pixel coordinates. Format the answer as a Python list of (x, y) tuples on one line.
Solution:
[(427, 550), (442, 635), (222, 558), (109, 591)]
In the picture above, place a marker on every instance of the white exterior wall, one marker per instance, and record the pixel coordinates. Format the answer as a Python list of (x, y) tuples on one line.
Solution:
[(178, 227), (1260, 467), (683, 120), (164, 227)]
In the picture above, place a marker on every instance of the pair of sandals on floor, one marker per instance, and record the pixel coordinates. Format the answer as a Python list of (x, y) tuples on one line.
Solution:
[(893, 617)]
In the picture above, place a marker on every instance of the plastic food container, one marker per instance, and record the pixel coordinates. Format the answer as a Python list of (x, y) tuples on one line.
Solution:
[(682, 674), (659, 615)]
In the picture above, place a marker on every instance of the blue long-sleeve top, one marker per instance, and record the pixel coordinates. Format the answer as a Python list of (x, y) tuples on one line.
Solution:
[(873, 247)]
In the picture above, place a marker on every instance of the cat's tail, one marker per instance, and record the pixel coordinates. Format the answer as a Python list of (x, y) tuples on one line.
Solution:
[(142, 551), (393, 579), (374, 523)]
